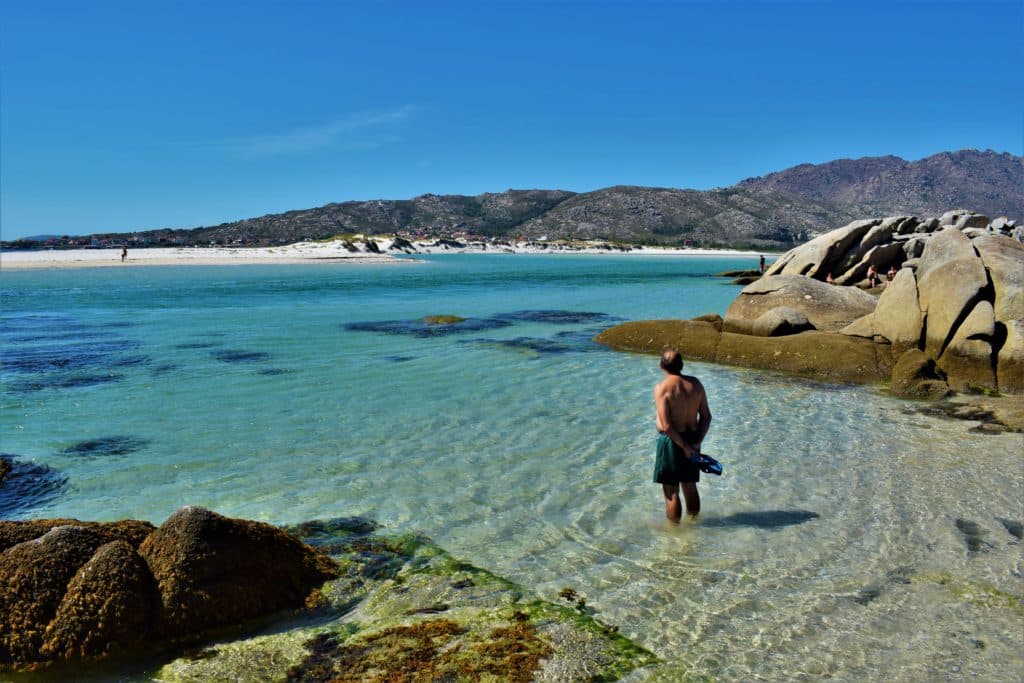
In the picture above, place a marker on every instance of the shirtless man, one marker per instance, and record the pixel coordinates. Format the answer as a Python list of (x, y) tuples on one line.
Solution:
[(683, 419)]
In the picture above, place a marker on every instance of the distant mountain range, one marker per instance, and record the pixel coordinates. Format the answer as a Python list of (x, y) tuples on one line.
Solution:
[(774, 211)]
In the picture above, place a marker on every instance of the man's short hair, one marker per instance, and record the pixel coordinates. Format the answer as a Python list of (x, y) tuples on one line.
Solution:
[(671, 361)]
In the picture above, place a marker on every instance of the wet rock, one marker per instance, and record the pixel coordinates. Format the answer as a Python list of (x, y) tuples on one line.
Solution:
[(386, 627), (695, 339), (212, 570)]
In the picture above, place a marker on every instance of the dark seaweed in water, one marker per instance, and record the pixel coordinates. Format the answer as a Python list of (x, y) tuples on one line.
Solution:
[(272, 372), (196, 345), (419, 328), (567, 341), (108, 445), (68, 357), (232, 356), (27, 485), (555, 317), (59, 381)]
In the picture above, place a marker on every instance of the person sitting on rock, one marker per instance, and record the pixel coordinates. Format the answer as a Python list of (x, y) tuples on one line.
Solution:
[(891, 274), (872, 276), (828, 279)]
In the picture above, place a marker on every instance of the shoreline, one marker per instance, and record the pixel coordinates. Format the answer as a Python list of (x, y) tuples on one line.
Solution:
[(335, 251)]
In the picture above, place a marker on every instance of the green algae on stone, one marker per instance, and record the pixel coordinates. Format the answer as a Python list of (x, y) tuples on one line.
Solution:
[(427, 616), (977, 593)]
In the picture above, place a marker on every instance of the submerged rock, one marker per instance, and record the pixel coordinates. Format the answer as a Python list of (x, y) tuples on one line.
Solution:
[(427, 616)]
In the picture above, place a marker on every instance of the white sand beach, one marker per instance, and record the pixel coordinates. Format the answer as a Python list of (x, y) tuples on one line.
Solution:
[(336, 251)]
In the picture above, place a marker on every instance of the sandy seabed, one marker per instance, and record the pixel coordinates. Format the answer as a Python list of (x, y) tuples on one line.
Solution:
[(300, 252)]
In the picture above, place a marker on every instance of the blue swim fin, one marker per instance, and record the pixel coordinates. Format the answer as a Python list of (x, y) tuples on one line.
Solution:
[(707, 464)]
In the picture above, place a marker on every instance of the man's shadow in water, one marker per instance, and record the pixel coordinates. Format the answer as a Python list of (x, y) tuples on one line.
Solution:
[(762, 519)]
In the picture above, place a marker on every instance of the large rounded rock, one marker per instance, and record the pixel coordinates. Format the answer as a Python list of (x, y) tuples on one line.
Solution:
[(1003, 258), (950, 280), (33, 578), (967, 360), (826, 306), (781, 321), (916, 376), (821, 254), (212, 570), (897, 316), (109, 607)]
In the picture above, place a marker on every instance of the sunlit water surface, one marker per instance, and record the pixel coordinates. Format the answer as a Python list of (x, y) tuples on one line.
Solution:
[(849, 538)]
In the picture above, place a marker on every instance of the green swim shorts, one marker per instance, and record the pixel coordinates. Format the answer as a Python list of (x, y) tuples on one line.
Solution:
[(671, 466)]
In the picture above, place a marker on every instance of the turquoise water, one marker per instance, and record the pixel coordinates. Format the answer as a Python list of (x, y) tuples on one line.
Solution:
[(849, 539)]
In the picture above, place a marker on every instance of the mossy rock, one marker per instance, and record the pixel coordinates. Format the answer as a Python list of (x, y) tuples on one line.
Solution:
[(428, 617), (829, 356), (442, 319)]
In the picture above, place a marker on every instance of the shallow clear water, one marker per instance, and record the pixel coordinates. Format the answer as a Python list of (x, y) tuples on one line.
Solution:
[(838, 544)]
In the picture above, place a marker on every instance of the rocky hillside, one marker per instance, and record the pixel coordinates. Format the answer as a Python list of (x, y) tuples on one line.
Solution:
[(776, 211), (986, 182)]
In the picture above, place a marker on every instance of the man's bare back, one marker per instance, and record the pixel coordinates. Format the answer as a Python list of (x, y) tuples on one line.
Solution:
[(682, 416)]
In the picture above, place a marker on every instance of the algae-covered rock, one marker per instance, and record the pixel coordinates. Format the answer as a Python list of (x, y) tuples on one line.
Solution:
[(109, 606), (213, 570), (695, 339), (442, 319), (131, 531), (405, 610), (33, 578)]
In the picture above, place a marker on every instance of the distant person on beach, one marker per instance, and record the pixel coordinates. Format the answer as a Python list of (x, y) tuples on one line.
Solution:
[(682, 419), (762, 263), (124, 253)]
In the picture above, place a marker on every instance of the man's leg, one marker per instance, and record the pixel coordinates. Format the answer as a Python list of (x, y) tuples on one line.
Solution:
[(692, 498), (673, 508)]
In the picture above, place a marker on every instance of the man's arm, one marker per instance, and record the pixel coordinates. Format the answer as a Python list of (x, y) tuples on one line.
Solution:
[(704, 415)]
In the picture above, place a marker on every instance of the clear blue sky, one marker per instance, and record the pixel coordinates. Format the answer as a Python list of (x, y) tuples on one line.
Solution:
[(137, 115)]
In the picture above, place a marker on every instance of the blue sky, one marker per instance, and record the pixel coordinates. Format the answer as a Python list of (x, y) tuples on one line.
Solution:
[(138, 115)]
